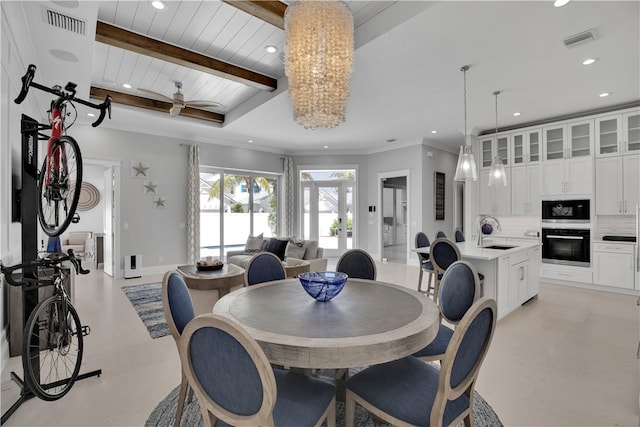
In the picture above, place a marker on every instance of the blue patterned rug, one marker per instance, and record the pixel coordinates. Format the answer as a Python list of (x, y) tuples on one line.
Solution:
[(147, 300)]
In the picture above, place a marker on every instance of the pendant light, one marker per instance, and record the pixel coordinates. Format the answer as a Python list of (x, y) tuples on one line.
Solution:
[(466, 167), (497, 174)]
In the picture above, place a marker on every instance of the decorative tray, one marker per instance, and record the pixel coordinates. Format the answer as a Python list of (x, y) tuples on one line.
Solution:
[(209, 267)]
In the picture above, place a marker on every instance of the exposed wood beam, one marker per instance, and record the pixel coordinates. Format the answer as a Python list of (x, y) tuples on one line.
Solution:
[(114, 36), (153, 104), (269, 11)]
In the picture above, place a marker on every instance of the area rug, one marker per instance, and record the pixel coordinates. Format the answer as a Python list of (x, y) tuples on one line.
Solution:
[(147, 300), (164, 414)]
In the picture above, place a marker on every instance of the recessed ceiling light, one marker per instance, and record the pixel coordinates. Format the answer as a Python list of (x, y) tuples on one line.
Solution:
[(391, 140), (126, 85), (604, 94), (516, 114), (589, 61), (250, 141), (434, 131), (271, 48), (560, 3), (91, 115), (160, 5), (326, 146)]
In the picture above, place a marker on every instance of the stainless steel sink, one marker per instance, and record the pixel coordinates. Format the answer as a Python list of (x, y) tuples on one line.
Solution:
[(499, 247)]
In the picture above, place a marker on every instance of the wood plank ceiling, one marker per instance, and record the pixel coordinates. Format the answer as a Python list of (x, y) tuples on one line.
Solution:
[(215, 49)]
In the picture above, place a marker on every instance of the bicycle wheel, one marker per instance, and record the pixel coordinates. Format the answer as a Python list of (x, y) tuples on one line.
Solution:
[(52, 348), (58, 201)]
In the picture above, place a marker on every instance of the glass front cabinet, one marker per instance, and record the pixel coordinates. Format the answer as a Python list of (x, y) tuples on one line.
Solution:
[(525, 147), (618, 134), (490, 146)]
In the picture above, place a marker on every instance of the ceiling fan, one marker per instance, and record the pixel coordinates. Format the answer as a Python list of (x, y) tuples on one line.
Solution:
[(178, 100)]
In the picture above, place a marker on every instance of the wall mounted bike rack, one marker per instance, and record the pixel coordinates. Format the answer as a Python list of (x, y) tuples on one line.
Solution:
[(30, 130)]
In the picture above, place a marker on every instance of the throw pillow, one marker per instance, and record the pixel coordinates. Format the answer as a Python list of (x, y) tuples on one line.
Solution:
[(277, 247), (312, 250), (295, 249), (254, 244)]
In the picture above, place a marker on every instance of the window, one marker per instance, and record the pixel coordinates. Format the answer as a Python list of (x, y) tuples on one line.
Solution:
[(229, 213)]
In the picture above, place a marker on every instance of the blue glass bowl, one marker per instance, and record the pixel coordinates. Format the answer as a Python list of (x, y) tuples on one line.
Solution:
[(323, 285)]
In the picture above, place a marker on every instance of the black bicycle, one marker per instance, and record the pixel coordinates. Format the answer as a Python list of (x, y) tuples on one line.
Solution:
[(53, 335), (60, 178)]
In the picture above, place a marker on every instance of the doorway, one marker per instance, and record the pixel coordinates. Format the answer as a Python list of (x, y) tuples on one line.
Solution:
[(327, 210), (394, 214)]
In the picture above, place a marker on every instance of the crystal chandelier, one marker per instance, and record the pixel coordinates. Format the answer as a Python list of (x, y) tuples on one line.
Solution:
[(318, 61), (466, 166)]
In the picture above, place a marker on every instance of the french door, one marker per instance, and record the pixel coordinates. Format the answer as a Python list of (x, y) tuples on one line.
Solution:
[(327, 215)]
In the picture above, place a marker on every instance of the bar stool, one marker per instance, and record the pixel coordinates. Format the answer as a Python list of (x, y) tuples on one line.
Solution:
[(422, 241), (444, 253)]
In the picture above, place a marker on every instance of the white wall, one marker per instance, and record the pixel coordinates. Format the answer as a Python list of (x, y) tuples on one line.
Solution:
[(159, 235)]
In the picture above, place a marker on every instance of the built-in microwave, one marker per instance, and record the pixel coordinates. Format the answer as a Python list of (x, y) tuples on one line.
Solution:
[(576, 211)]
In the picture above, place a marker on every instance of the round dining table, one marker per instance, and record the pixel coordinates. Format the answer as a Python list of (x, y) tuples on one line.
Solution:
[(369, 322)]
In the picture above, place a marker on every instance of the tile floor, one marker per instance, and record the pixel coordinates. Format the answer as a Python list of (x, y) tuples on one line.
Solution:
[(567, 358)]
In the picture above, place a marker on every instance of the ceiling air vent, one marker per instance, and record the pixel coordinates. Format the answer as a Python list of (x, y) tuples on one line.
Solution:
[(65, 22), (580, 38)]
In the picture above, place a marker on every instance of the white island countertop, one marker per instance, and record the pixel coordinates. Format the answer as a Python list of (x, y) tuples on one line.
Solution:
[(470, 250)]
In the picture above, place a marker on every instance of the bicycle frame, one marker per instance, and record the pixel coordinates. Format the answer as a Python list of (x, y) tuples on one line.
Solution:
[(57, 128)]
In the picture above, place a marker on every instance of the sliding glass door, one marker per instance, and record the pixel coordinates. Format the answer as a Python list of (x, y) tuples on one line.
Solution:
[(234, 206)]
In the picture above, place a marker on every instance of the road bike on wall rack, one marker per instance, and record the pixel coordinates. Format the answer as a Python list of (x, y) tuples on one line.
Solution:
[(52, 340), (60, 179)]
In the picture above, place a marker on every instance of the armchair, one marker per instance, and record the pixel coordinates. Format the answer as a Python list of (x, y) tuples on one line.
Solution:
[(81, 242)]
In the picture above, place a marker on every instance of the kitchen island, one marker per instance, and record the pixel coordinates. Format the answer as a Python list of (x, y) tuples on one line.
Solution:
[(510, 269)]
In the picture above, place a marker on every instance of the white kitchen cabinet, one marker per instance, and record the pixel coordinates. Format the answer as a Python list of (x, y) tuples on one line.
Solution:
[(566, 141), (614, 264), (494, 200), (518, 283), (617, 184), (490, 147), (571, 177), (618, 134), (525, 190), (533, 287), (526, 147)]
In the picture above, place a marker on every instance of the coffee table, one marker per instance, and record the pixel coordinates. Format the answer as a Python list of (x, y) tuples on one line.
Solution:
[(207, 286)]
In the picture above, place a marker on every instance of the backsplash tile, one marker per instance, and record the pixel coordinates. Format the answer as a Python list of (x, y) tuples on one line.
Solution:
[(622, 225)]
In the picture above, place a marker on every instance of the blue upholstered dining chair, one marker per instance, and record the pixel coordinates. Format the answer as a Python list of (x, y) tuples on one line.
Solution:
[(178, 311), (440, 235), (442, 253), (459, 237), (264, 267), (459, 289), (411, 392), (357, 264), (422, 241), (236, 385)]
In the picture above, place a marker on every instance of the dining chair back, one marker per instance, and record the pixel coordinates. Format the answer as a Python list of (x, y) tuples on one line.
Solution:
[(459, 237), (410, 392), (459, 289), (422, 241), (357, 264), (236, 385), (264, 267), (178, 311), (443, 252)]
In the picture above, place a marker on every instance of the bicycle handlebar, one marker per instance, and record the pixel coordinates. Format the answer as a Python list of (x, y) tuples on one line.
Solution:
[(27, 82), (52, 261)]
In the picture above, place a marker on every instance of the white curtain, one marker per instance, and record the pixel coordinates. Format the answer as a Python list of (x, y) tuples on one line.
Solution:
[(286, 225), (193, 206)]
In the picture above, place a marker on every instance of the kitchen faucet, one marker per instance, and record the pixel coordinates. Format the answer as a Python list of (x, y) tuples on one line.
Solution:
[(481, 222)]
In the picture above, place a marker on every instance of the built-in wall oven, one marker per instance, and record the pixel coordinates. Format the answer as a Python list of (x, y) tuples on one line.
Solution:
[(568, 246)]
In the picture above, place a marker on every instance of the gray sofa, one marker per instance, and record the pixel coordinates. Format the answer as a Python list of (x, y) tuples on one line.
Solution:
[(294, 251)]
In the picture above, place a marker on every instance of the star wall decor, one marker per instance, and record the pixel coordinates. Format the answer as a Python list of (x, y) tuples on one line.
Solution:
[(139, 169), (150, 187), (159, 202)]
